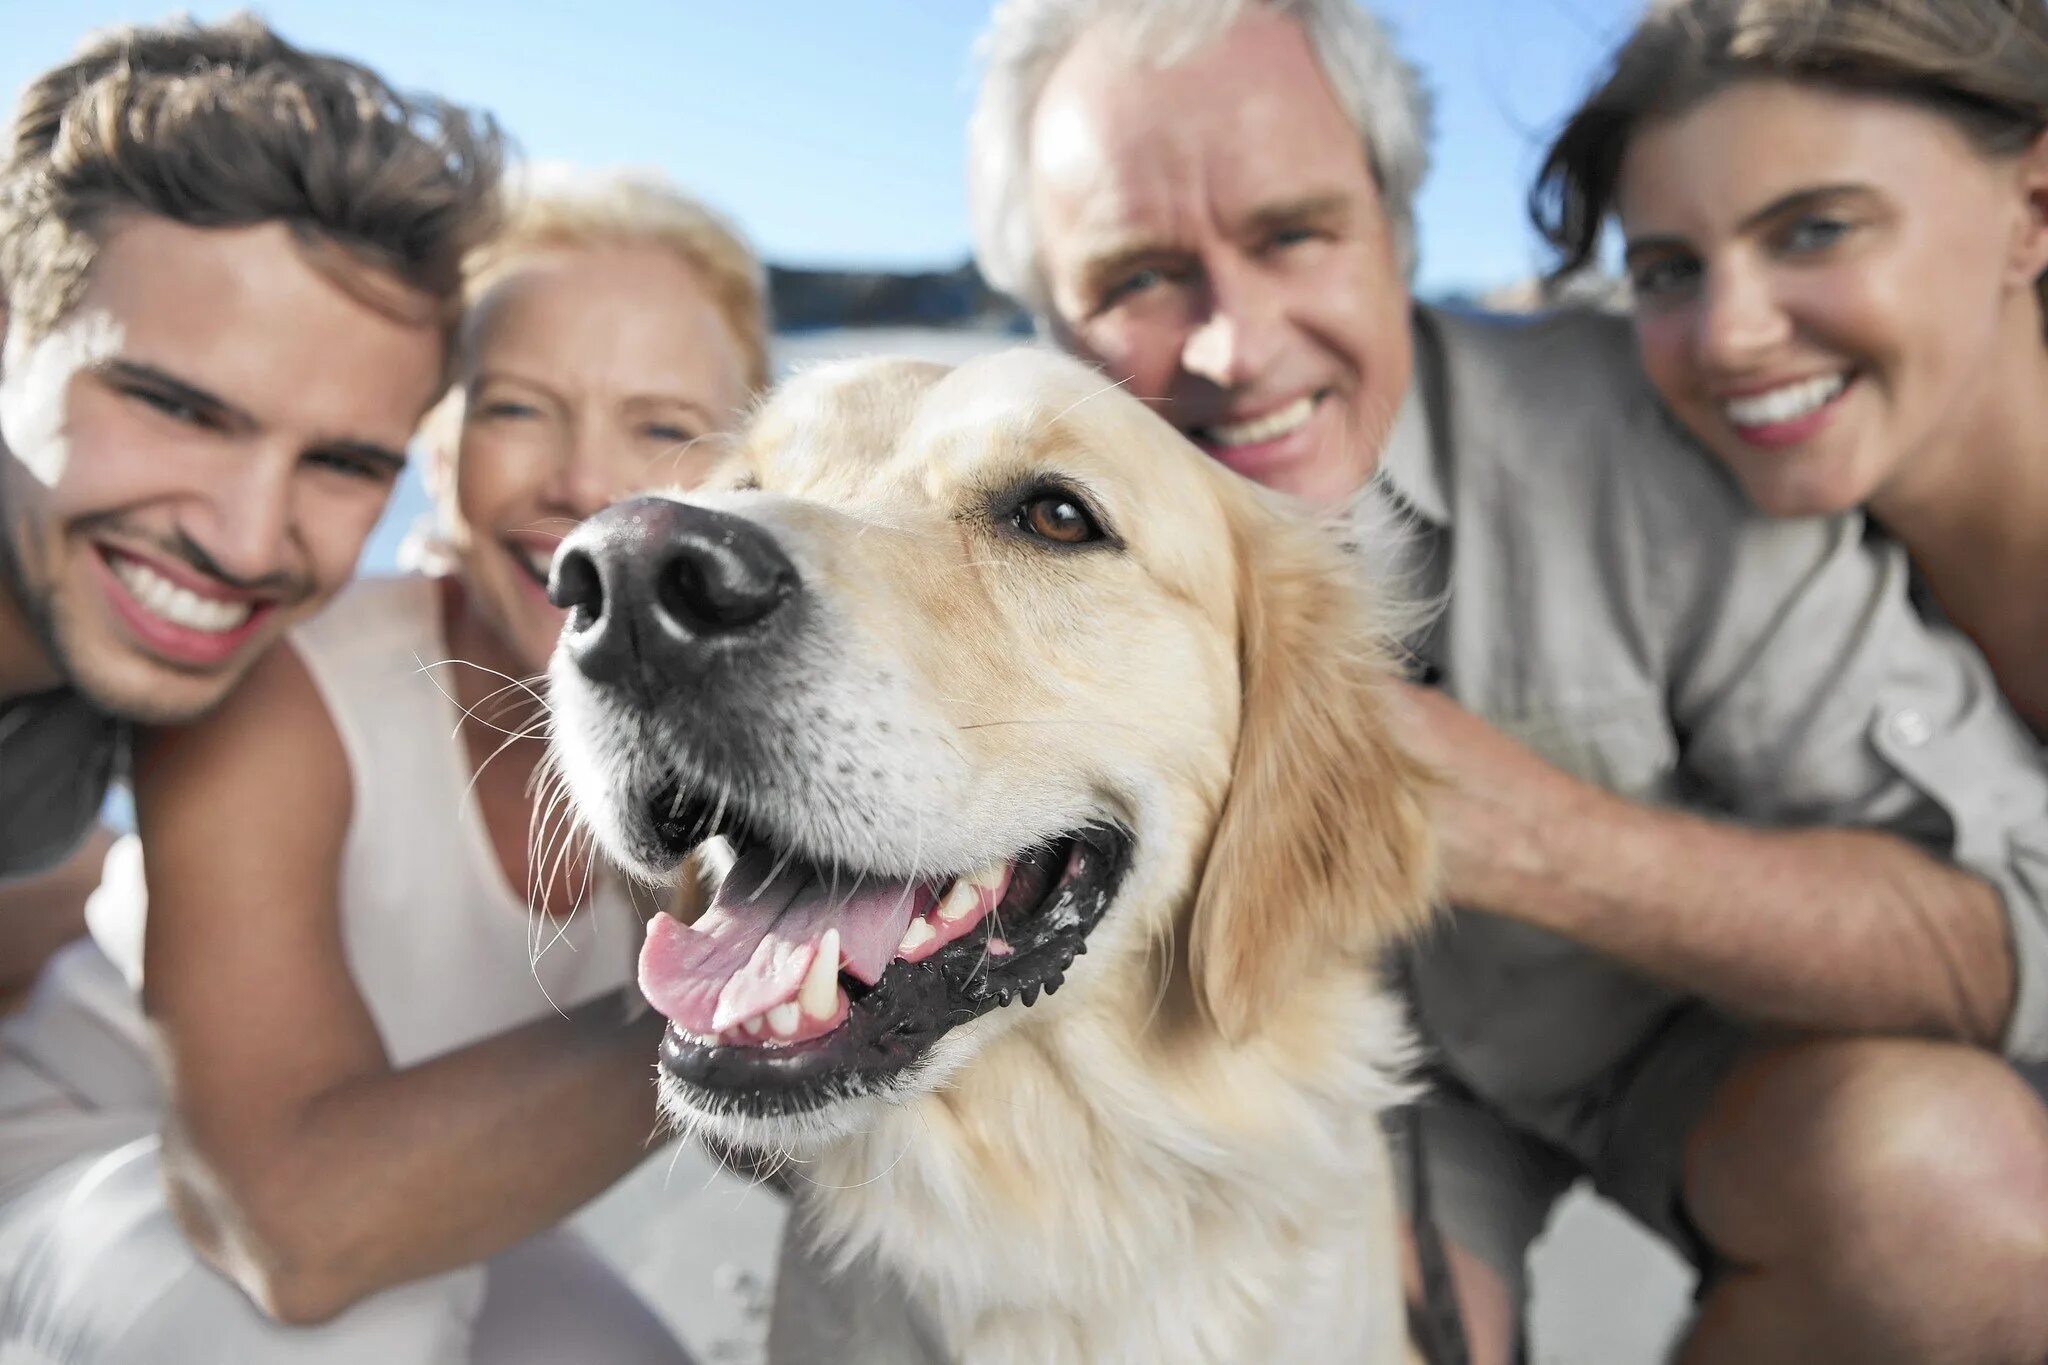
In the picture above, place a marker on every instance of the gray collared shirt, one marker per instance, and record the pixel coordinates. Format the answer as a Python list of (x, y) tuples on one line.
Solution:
[(1613, 602), (57, 756)]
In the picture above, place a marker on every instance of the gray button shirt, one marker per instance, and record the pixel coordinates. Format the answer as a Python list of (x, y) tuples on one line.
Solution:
[(57, 756), (1616, 604)]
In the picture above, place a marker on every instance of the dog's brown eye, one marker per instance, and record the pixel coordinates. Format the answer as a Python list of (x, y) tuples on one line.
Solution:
[(1058, 518)]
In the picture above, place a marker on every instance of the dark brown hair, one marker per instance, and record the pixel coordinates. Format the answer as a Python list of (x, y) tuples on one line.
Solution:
[(228, 125), (1981, 63)]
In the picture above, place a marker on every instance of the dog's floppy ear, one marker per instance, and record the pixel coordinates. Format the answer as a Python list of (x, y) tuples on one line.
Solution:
[(1323, 845)]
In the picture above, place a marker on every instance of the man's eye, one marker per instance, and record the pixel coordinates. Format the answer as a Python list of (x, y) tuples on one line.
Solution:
[(1129, 286), (171, 406), (1059, 518), (354, 466)]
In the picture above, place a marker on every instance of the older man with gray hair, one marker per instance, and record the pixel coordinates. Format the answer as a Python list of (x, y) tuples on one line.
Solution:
[(1750, 863)]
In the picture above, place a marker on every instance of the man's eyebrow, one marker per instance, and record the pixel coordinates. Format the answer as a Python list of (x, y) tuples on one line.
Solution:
[(1120, 259), (213, 406), (1307, 209), (219, 410)]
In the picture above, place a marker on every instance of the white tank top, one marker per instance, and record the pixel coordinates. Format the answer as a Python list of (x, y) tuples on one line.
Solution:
[(444, 949)]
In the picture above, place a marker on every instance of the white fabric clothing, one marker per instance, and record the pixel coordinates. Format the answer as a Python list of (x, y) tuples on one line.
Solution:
[(123, 1287), (445, 953), (425, 905)]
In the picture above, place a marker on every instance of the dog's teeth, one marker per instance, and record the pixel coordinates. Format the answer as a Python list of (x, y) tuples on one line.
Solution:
[(960, 902), (990, 877), (819, 995), (754, 1027), (784, 1018), (916, 936)]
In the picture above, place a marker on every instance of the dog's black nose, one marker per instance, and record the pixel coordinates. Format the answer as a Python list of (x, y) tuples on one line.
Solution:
[(660, 586)]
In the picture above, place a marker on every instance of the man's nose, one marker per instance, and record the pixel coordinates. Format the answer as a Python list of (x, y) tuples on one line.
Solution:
[(244, 523), (657, 588), (1232, 344)]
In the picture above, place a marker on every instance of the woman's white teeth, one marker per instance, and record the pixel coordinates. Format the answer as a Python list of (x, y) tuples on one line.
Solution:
[(916, 936), (1270, 427), (179, 606), (819, 995), (538, 561), (1786, 404)]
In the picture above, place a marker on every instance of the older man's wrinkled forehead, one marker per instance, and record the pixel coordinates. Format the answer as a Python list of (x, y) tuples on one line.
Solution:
[(1129, 146)]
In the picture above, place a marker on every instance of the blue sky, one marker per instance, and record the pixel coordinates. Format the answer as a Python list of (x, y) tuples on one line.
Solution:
[(832, 129)]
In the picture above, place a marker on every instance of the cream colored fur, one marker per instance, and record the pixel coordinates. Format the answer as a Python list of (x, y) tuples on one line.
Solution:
[(1178, 1157)]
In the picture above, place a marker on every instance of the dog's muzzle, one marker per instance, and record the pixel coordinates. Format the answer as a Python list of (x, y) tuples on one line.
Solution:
[(661, 592)]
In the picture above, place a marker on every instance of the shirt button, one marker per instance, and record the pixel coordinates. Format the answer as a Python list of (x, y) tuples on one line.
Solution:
[(1911, 727)]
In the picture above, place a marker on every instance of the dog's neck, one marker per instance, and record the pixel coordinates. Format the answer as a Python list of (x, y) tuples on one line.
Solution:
[(1109, 1188)]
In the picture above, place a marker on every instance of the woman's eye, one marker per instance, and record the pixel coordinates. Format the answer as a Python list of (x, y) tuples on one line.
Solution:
[(1664, 279), (504, 409), (1814, 234), (1058, 518), (668, 433)]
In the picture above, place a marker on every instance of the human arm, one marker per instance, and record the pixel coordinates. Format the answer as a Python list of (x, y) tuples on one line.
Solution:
[(300, 1162), (1834, 929)]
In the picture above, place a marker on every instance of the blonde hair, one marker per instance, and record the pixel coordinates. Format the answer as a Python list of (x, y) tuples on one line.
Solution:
[(637, 210), (228, 125), (1983, 64)]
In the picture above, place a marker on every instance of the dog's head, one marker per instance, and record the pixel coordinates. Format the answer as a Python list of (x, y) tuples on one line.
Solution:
[(971, 672)]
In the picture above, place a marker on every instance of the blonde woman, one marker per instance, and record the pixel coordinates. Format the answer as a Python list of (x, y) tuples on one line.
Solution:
[(398, 1030)]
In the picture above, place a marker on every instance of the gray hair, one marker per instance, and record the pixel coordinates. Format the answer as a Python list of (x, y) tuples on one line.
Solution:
[(1026, 40)]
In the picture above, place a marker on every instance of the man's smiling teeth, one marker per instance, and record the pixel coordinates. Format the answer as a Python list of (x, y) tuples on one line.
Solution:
[(1786, 404), (1271, 427), (179, 606)]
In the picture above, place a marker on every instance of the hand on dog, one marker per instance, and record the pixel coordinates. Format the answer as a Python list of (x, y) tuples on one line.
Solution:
[(1497, 806)]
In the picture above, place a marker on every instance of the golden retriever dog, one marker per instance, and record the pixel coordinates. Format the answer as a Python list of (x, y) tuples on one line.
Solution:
[(973, 672)]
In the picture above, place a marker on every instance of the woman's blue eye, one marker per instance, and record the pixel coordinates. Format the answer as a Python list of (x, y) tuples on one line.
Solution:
[(1815, 234), (1662, 279)]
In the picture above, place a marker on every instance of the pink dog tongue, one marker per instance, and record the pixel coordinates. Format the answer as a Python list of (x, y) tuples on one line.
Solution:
[(749, 952)]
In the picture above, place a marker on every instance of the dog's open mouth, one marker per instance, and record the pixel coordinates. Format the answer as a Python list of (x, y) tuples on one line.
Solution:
[(805, 983)]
